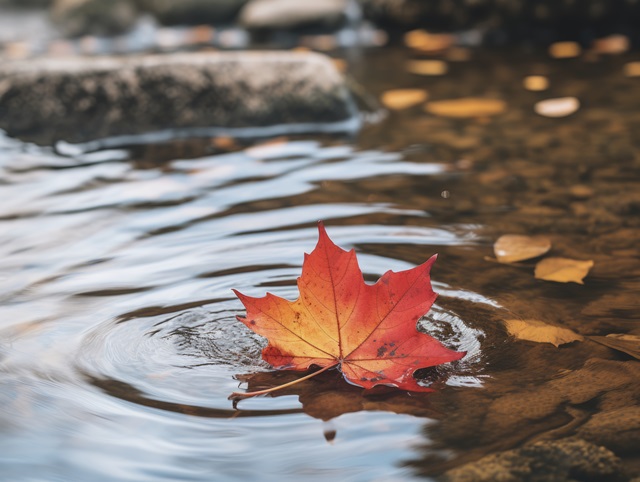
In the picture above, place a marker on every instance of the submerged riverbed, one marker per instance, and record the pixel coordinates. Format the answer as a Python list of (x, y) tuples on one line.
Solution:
[(119, 344)]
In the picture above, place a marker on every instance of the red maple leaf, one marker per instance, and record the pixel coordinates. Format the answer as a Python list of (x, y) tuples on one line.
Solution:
[(368, 331)]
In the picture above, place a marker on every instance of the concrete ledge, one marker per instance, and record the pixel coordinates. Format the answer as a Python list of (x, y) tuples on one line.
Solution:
[(82, 99)]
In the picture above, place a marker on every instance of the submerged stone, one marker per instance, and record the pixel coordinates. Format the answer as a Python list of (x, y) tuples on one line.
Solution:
[(618, 429), (77, 100), (548, 461)]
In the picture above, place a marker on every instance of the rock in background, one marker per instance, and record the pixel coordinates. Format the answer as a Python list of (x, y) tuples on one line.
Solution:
[(498, 22), (294, 15), (97, 17), (25, 3), (80, 99), (549, 461), (505, 21), (193, 12)]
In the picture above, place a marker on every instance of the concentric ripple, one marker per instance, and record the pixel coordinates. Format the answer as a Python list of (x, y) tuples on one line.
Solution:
[(120, 334)]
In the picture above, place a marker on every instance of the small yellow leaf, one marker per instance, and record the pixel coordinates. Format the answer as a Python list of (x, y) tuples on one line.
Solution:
[(428, 42), (427, 67), (510, 248), (538, 331), (536, 83), (613, 44), (629, 344), (565, 50), (580, 191), (632, 69), (466, 107), (458, 54), (224, 143), (563, 270), (560, 107), (398, 99)]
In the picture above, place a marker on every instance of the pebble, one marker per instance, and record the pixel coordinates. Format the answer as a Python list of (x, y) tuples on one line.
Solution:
[(565, 50), (560, 107), (427, 67)]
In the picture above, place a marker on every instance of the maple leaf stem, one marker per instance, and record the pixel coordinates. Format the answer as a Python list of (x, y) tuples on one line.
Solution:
[(236, 395)]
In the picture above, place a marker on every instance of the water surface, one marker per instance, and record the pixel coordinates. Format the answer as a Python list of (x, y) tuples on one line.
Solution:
[(118, 339)]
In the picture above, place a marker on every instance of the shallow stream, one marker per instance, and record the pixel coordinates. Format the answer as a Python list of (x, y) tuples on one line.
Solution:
[(118, 339)]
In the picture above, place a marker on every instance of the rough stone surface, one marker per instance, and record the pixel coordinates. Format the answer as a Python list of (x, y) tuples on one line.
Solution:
[(95, 17), (618, 430), (294, 14), (193, 12), (548, 461), (83, 99)]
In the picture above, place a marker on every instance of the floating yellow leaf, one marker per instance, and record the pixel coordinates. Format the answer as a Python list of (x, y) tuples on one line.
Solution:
[(538, 331), (629, 344), (458, 54), (427, 67), (403, 98), (565, 50), (224, 143), (536, 83), (632, 69), (613, 44), (466, 107), (428, 42), (510, 248), (563, 270), (580, 191), (560, 107)]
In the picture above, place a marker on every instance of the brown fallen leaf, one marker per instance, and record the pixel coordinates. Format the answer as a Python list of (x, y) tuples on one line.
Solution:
[(510, 248), (632, 69), (563, 270), (629, 344), (428, 42), (427, 67), (580, 191), (613, 44), (565, 50), (467, 107), (538, 331), (398, 99), (560, 107), (224, 143), (536, 83), (458, 54)]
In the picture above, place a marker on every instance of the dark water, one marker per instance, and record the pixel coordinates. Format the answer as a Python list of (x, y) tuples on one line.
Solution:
[(118, 339)]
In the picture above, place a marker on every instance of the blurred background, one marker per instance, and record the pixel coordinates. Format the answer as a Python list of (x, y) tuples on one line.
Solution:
[(36, 27)]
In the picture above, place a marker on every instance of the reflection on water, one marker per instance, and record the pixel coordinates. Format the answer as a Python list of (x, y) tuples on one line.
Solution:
[(119, 344)]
